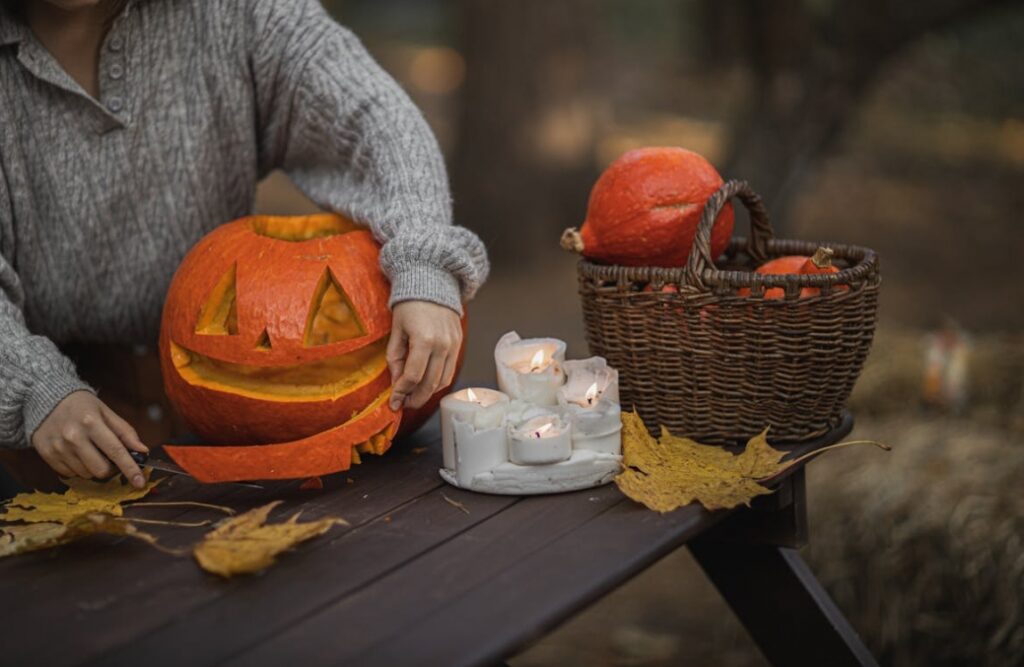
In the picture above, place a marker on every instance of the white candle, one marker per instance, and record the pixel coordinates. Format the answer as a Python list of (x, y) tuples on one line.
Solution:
[(477, 450), (481, 407), (590, 400), (530, 369), (590, 379), (543, 439)]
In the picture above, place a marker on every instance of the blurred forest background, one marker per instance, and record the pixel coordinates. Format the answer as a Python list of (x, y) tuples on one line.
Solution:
[(897, 125)]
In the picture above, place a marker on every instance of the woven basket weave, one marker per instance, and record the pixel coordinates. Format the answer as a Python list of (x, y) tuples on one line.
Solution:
[(711, 364)]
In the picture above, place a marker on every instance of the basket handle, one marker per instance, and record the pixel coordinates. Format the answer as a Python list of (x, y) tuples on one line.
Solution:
[(700, 259)]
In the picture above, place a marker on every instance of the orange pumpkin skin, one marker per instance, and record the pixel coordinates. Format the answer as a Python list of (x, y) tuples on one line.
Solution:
[(799, 264), (645, 208), (331, 451), (275, 285), (273, 340)]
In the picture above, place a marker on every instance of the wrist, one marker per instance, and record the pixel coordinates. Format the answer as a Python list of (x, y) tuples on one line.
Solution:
[(43, 396)]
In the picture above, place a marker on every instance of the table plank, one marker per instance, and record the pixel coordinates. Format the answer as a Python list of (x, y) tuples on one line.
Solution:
[(111, 595), (26, 576), (405, 597), (415, 580), (296, 588), (498, 610)]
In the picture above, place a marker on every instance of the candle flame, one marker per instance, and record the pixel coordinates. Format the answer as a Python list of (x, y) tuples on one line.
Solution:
[(471, 395), (591, 394), (537, 361), (542, 430)]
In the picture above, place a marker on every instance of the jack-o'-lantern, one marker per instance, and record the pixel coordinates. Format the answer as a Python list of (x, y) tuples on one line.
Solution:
[(274, 333)]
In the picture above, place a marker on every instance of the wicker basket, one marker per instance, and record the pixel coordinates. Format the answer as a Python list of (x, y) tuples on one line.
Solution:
[(711, 364)]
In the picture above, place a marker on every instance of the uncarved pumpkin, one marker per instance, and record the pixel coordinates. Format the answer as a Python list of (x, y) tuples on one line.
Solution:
[(645, 208), (272, 348), (820, 262)]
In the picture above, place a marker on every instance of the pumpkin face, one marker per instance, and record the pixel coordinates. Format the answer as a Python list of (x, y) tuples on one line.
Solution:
[(645, 208), (274, 331)]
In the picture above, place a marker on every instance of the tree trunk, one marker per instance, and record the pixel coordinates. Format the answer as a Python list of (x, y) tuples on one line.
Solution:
[(523, 165)]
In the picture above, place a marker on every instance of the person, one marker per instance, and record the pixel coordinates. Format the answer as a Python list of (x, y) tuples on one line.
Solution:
[(131, 128)]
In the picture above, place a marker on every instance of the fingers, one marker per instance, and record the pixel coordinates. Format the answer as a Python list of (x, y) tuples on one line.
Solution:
[(65, 451), (397, 346), (83, 437), (123, 430), (415, 366), (114, 449), (79, 436), (448, 376), (53, 460), (431, 378)]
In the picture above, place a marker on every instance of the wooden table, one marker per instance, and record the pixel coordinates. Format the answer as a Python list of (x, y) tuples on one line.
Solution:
[(415, 580)]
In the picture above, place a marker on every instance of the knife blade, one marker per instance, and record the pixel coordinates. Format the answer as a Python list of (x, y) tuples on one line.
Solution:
[(143, 459)]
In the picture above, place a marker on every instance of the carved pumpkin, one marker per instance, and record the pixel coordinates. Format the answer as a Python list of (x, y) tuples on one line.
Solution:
[(645, 208), (274, 333)]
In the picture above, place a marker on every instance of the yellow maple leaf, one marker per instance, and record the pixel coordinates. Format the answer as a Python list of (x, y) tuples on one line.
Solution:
[(671, 472), (246, 543), (82, 497), (43, 535)]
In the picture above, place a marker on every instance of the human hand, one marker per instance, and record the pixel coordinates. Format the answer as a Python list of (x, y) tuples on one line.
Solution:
[(422, 352), (82, 436)]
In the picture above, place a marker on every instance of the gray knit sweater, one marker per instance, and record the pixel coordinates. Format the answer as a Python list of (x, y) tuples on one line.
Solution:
[(101, 198)]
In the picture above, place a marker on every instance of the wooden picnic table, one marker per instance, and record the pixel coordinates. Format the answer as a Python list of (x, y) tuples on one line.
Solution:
[(426, 574)]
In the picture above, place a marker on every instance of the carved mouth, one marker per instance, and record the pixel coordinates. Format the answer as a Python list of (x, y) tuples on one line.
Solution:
[(326, 379)]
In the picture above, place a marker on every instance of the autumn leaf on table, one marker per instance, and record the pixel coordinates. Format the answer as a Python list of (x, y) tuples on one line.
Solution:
[(82, 497), (670, 472), (246, 543), (43, 535)]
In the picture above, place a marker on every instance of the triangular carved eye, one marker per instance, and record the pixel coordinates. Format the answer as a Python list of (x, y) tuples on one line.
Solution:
[(263, 343), (219, 316), (331, 317)]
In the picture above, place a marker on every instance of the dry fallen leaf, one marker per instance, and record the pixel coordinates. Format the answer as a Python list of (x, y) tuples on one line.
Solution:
[(246, 543), (82, 497), (670, 472), (21, 538)]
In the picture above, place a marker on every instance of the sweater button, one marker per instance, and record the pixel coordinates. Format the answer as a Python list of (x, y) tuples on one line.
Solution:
[(115, 71), (115, 104), (116, 43)]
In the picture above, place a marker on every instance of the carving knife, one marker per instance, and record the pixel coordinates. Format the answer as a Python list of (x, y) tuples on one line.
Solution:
[(173, 468)]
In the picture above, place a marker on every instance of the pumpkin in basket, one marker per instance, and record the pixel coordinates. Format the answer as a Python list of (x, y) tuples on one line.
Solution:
[(819, 263), (274, 333), (645, 207)]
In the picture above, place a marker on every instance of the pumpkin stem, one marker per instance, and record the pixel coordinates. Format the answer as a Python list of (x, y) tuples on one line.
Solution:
[(822, 257), (571, 240)]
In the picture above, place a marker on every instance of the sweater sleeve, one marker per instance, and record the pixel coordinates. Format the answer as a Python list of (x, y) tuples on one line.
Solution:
[(34, 375), (351, 139)]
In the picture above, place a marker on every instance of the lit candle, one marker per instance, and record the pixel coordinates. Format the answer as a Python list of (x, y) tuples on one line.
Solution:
[(541, 440), (590, 400), (530, 369), (480, 407)]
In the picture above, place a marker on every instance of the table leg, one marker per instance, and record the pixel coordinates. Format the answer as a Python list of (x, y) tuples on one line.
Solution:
[(752, 560)]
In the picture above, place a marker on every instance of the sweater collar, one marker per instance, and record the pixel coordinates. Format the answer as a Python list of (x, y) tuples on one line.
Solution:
[(14, 31)]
